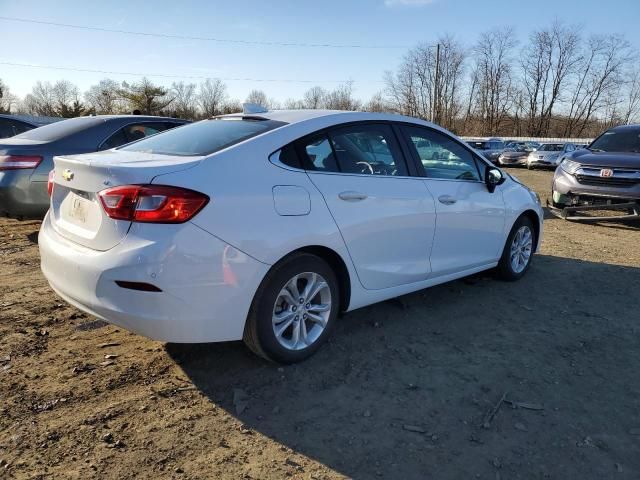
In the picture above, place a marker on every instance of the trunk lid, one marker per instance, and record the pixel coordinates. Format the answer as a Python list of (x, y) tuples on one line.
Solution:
[(76, 210)]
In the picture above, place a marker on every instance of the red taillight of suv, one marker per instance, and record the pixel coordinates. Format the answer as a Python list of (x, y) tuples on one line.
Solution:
[(50, 182), (152, 203), (19, 162)]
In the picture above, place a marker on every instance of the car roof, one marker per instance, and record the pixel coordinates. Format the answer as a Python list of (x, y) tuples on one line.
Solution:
[(21, 120), (626, 127), (302, 115), (138, 117)]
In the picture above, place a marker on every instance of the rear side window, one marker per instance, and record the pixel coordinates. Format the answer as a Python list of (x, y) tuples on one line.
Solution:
[(115, 140), (320, 154), (359, 149), (6, 128), (203, 138)]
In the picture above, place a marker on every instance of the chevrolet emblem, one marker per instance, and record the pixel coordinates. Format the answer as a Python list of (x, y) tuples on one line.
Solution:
[(67, 175)]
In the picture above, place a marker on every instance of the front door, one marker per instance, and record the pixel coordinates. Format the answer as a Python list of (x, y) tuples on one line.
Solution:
[(469, 219), (386, 218)]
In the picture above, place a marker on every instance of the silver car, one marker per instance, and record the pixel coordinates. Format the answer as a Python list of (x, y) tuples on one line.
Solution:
[(489, 149), (604, 176), (548, 155), (27, 159)]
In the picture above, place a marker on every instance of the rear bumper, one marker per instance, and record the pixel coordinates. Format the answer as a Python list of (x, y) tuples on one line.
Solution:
[(207, 286), (21, 197)]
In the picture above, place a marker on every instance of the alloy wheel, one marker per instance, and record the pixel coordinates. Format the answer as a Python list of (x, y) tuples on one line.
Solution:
[(301, 311), (521, 249)]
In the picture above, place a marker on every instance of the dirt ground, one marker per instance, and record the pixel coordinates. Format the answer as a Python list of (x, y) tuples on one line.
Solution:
[(405, 389)]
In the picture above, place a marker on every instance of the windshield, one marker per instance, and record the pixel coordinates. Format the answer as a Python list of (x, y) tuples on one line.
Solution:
[(520, 147), (203, 138), (58, 130), (480, 145), (552, 147), (627, 140)]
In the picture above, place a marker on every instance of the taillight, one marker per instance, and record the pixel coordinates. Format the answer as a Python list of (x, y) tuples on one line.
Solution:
[(50, 182), (152, 203), (19, 162)]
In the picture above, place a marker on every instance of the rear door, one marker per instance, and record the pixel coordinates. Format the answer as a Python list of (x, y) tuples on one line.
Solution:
[(386, 217), (470, 219)]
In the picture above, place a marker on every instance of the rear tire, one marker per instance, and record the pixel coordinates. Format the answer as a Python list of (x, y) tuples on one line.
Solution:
[(518, 251), (285, 329)]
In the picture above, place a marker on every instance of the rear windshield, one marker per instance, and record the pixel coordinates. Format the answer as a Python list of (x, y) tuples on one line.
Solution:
[(551, 147), (627, 140), (203, 138), (480, 145), (58, 130)]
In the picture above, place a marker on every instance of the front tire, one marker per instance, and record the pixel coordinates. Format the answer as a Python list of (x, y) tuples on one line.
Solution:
[(518, 250), (294, 309)]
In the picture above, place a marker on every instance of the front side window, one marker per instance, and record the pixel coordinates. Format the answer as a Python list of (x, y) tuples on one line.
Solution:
[(444, 158), (367, 149)]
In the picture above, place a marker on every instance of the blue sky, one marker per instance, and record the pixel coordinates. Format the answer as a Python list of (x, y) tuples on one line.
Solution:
[(396, 23)]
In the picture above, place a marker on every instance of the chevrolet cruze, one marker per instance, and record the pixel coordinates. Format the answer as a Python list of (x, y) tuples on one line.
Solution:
[(263, 226)]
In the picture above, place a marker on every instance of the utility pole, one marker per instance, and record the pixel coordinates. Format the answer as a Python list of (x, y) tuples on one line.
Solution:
[(434, 103)]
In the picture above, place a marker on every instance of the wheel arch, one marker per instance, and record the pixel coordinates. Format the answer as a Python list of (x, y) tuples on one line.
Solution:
[(337, 264), (535, 220)]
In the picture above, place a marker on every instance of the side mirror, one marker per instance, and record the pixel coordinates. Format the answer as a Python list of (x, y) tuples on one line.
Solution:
[(493, 177)]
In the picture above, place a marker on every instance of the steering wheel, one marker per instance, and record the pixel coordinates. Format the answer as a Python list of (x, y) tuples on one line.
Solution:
[(365, 166)]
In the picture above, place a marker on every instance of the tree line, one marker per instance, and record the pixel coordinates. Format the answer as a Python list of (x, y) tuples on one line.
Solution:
[(559, 83)]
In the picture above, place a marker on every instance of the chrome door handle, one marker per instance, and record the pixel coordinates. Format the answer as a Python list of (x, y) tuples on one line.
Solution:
[(351, 196), (447, 199)]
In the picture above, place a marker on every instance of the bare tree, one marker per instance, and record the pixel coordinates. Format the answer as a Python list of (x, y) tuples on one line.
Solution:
[(600, 73), (416, 90), (41, 100), (378, 103), (185, 103), (447, 88), (293, 104), (341, 98), (7, 99), (258, 97), (493, 64), (103, 98), (231, 106), (631, 109), (547, 62), (212, 96), (315, 97)]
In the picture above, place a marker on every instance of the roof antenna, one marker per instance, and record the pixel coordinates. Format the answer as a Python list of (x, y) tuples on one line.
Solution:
[(248, 108)]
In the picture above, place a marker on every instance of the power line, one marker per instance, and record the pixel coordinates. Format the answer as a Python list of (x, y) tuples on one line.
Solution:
[(190, 77), (207, 39)]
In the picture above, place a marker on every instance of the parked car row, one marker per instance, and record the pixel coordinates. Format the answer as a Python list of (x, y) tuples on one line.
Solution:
[(522, 153), (27, 158)]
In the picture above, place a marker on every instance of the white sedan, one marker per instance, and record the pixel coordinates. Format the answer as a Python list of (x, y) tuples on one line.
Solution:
[(264, 226)]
